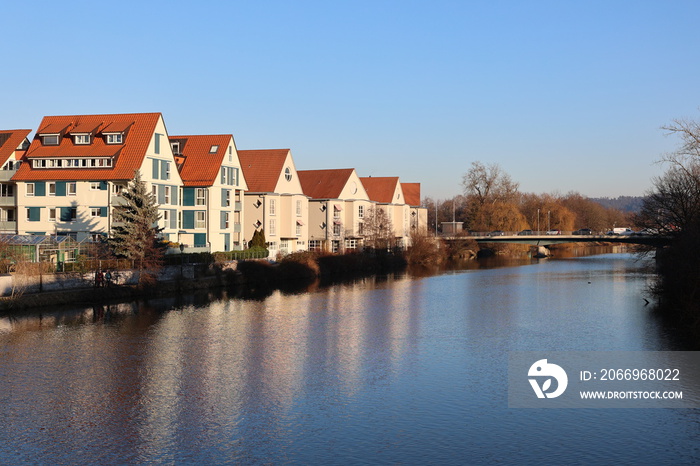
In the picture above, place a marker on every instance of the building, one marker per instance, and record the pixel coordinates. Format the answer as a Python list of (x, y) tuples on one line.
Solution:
[(212, 194), (387, 194), (337, 207), (275, 201), (13, 145), (76, 167), (418, 214)]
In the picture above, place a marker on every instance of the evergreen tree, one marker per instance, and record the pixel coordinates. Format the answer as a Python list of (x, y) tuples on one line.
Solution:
[(258, 239), (136, 237)]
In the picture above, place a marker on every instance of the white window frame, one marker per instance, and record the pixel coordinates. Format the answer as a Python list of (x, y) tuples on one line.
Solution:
[(71, 188), (81, 139), (51, 188), (273, 227), (52, 214), (95, 212), (200, 220), (29, 192), (50, 139), (214, 149), (114, 138), (166, 194), (95, 186), (360, 211), (299, 208), (273, 207), (200, 196)]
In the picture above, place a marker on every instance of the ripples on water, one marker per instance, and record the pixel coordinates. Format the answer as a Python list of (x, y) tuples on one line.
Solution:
[(397, 370)]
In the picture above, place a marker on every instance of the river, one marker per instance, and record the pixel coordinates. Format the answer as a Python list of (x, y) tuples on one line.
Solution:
[(404, 369)]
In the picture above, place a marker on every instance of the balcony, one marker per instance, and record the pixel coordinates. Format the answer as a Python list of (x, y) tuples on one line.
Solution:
[(236, 227), (8, 227), (5, 175), (237, 206), (8, 201)]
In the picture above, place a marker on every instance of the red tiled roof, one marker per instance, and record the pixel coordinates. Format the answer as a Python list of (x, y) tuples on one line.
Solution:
[(86, 127), (128, 157), (324, 184), (10, 140), (380, 189), (201, 166), (262, 168), (411, 193)]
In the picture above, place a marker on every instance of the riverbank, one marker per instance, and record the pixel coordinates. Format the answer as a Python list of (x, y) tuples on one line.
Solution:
[(253, 279)]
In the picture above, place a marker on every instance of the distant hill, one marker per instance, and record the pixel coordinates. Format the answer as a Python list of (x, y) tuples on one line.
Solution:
[(623, 203)]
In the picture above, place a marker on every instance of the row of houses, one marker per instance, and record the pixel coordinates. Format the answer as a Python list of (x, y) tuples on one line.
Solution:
[(66, 180)]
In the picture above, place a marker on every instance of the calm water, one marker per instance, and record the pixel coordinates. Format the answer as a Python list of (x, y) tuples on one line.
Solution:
[(402, 370)]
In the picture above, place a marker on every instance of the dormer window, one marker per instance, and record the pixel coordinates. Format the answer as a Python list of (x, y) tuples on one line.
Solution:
[(81, 139), (175, 146), (50, 139), (114, 138), (214, 149)]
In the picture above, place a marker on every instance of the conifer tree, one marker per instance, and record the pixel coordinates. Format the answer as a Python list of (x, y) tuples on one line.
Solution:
[(136, 236)]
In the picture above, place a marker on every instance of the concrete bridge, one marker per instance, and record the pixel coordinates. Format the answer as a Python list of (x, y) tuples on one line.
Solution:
[(539, 239)]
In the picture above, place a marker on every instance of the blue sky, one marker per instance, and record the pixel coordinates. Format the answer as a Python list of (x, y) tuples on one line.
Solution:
[(564, 96)]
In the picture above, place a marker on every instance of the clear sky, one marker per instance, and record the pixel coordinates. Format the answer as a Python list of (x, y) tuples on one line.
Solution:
[(564, 96)]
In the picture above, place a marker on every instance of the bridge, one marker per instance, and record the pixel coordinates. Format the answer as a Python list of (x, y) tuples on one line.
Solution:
[(539, 239)]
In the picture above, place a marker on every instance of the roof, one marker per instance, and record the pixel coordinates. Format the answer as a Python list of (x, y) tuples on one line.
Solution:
[(262, 168), (380, 189), (201, 166), (10, 140), (411, 193), (324, 184), (128, 156)]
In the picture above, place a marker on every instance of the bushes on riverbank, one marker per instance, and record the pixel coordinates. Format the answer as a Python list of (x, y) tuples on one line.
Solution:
[(300, 269)]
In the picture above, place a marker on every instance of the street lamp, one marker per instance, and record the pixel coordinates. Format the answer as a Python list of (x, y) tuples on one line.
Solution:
[(538, 221), (548, 227)]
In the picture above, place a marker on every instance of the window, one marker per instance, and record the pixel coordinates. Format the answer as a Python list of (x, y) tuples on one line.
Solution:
[(71, 188), (30, 189), (114, 138), (175, 146), (350, 244), (81, 139), (272, 207), (226, 198), (224, 177), (336, 212), (361, 211), (94, 212), (156, 143), (50, 139), (68, 214), (361, 228), (33, 214), (7, 190), (298, 208), (230, 154), (287, 174), (336, 229), (214, 149), (52, 189), (314, 245), (166, 218), (273, 227), (224, 220), (94, 186), (298, 229), (167, 195), (10, 215), (201, 198), (201, 221), (52, 214)]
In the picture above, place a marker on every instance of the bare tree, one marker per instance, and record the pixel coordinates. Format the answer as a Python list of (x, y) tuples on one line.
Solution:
[(378, 229)]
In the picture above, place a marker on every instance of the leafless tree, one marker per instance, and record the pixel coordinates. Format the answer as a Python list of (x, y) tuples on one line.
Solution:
[(378, 229)]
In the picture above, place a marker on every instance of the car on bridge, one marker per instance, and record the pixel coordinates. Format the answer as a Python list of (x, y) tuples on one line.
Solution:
[(526, 233), (497, 233), (583, 231), (553, 232)]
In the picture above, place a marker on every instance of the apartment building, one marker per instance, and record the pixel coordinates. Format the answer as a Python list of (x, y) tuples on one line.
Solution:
[(76, 166), (387, 194), (337, 206), (275, 201), (211, 214), (13, 145), (418, 214)]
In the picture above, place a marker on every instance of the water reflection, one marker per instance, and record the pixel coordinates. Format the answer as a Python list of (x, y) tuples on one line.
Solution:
[(393, 369)]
